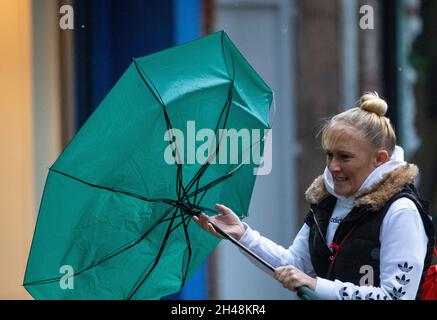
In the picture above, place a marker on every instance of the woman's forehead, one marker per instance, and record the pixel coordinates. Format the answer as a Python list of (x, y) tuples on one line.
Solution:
[(344, 138)]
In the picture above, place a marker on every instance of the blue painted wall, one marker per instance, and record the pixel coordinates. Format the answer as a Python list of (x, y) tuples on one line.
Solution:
[(107, 35)]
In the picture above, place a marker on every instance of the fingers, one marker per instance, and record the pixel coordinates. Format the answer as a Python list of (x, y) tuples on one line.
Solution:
[(290, 277), (223, 209), (227, 219), (212, 230), (204, 222), (281, 273)]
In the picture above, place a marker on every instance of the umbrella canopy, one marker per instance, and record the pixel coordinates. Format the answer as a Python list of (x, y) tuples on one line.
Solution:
[(115, 220)]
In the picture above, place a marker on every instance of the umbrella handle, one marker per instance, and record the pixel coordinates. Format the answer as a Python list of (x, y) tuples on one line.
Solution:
[(242, 247), (303, 292), (306, 293)]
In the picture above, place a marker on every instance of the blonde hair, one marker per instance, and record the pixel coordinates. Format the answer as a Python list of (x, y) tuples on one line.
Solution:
[(367, 119)]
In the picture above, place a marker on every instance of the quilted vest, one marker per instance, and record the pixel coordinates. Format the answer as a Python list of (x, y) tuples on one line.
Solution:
[(356, 245)]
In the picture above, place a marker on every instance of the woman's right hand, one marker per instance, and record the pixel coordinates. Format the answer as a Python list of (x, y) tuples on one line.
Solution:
[(228, 221)]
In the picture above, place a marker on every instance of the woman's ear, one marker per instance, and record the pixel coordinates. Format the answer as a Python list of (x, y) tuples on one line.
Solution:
[(381, 157)]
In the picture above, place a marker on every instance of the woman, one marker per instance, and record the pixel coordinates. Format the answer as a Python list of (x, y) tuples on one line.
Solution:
[(367, 234)]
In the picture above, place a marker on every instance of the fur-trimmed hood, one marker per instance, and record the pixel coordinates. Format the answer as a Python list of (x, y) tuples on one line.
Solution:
[(382, 184)]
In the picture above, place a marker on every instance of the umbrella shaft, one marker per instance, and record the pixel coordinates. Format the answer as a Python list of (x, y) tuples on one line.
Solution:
[(242, 247), (303, 292)]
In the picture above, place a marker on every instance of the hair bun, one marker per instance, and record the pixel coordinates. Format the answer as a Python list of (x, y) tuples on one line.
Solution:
[(371, 102)]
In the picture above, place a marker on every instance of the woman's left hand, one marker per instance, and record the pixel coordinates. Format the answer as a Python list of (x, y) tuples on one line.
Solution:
[(292, 278)]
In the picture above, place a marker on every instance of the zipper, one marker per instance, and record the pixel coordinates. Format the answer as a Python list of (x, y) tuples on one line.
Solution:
[(320, 231), (331, 265), (339, 246)]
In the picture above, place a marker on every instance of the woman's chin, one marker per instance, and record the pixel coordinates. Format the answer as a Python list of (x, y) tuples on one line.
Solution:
[(344, 192)]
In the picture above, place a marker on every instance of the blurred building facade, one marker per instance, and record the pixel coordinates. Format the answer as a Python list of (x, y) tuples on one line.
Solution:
[(317, 56)]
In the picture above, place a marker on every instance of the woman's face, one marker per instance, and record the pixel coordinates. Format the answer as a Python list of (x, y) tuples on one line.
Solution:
[(350, 160)]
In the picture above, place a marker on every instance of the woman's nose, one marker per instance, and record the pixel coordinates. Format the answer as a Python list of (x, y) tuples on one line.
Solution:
[(333, 166)]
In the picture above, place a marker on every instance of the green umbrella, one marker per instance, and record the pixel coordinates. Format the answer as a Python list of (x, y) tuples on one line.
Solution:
[(115, 220)]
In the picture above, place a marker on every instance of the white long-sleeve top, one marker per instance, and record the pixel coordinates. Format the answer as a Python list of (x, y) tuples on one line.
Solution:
[(402, 253)]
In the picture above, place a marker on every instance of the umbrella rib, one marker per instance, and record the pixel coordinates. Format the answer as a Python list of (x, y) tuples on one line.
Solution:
[(180, 189), (143, 74), (141, 280), (161, 249), (163, 200), (158, 97), (116, 252), (224, 57), (187, 239), (196, 178), (130, 194), (176, 205), (222, 178), (155, 92), (124, 247), (217, 181), (208, 162), (131, 244)]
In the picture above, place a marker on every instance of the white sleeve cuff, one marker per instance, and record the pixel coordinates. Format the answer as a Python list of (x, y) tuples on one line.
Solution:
[(325, 289), (247, 236)]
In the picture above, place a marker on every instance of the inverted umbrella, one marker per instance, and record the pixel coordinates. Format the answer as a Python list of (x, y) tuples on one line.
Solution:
[(115, 220)]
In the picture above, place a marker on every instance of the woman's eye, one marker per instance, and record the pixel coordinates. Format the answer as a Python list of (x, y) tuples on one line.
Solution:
[(329, 155), (345, 157)]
